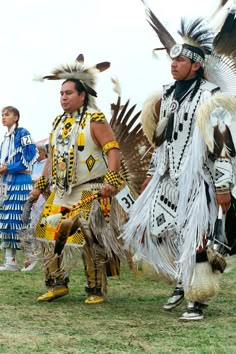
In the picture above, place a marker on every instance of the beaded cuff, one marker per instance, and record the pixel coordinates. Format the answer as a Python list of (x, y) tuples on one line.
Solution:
[(42, 183), (113, 178), (223, 173), (110, 145)]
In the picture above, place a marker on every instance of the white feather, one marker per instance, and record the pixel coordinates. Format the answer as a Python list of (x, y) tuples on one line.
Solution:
[(54, 219), (214, 121), (38, 78), (116, 86), (161, 126)]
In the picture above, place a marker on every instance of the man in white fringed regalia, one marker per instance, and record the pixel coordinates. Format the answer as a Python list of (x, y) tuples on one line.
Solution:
[(191, 176)]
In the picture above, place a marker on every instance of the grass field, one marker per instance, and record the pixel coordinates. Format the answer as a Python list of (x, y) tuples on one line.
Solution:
[(131, 321)]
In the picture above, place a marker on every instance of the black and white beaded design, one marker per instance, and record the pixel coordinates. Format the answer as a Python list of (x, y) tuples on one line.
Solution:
[(223, 173), (163, 212)]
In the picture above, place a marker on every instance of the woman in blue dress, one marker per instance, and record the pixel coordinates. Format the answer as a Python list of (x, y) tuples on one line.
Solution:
[(18, 153)]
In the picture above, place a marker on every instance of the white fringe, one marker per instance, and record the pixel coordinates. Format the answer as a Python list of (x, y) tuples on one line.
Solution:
[(138, 239), (194, 215)]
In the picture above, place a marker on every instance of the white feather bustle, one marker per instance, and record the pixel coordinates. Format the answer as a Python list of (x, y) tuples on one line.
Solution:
[(206, 125), (204, 283), (148, 116)]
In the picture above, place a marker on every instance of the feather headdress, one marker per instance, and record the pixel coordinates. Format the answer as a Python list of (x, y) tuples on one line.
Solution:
[(219, 49), (77, 70), (197, 34), (197, 40)]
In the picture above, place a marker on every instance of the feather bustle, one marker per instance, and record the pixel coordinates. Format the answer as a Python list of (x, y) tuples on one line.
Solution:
[(128, 131)]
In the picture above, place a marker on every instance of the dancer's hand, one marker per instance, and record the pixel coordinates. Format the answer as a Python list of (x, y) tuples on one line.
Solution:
[(35, 193), (108, 190), (3, 169)]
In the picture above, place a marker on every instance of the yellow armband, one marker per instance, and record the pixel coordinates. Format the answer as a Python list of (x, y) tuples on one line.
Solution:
[(110, 145)]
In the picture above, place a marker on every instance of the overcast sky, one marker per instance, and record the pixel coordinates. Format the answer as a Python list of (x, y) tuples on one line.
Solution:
[(38, 35)]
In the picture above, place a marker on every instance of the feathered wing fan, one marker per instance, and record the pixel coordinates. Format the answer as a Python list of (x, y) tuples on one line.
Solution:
[(135, 148), (221, 65)]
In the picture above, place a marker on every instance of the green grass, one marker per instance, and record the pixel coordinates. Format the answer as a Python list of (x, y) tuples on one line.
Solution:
[(131, 321)]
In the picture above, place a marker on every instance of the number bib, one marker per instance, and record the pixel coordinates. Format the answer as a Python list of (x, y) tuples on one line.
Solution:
[(125, 199)]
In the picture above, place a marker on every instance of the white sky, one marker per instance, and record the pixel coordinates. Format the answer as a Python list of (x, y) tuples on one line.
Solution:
[(38, 35)]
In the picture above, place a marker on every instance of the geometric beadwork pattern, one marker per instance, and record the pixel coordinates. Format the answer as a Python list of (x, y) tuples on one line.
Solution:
[(90, 162), (160, 219)]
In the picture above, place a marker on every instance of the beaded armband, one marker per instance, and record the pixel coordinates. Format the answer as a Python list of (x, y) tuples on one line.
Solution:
[(110, 145), (113, 178), (98, 117), (42, 183)]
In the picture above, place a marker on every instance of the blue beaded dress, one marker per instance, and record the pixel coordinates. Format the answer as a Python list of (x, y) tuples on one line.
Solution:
[(19, 153)]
